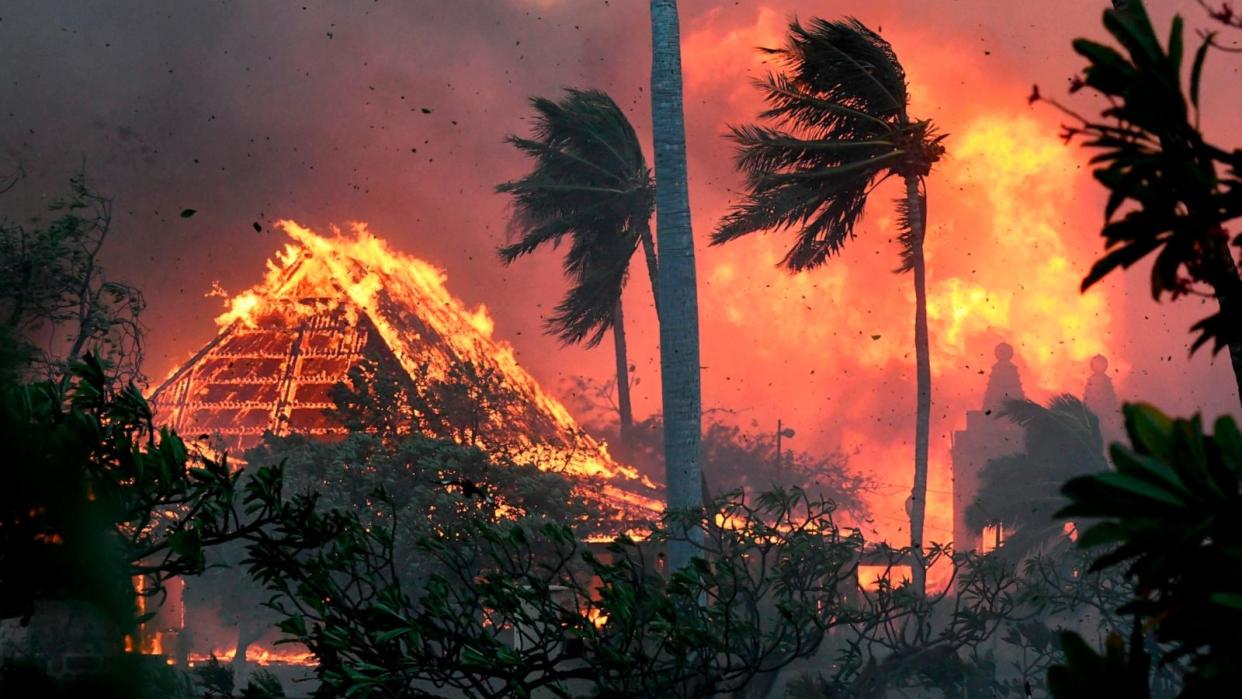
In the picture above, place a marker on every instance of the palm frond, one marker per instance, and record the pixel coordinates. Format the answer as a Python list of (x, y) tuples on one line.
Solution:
[(839, 126), (589, 185), (1066, 425), (792, 103), (1022, 491), (845, 62), (765, 149), (823, 223)]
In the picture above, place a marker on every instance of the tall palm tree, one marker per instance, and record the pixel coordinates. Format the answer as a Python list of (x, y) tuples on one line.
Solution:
[(590, 183), (1022, 492), (678, 301), (841, 126)]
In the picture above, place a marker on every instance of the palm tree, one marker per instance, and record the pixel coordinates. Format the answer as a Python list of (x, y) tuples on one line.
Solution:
[(1022, 492), (678, 300), (591, 183), (839, 107)]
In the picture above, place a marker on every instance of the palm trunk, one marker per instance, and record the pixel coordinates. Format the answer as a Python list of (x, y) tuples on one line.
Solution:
[(918, 496), (653, 267), (678, 299), (623, 376)]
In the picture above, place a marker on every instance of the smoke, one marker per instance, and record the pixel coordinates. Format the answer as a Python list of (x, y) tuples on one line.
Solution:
[(395, 113)]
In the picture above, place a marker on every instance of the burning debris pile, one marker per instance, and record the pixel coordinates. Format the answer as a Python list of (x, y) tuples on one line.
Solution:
[(332, 305)]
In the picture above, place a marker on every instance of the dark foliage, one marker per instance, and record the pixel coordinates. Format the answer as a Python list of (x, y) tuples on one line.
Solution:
[(515, 608), (841, 127), (1022, 492), (462, 406), (98, 495), (433, 484), (734, 456), (214, 677), (590, 183), (117, 677), (1169, 516), (56, 301)]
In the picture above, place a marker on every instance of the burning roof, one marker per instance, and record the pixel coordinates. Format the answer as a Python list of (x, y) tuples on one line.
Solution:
[(328, 304)]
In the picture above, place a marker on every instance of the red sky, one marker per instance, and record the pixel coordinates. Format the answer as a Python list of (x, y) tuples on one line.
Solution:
[(254, 112)]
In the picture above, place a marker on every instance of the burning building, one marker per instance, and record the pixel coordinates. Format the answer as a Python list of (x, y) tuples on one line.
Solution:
[(329, 305)]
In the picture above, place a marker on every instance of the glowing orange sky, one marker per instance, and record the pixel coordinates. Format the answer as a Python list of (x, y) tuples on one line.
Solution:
[(395, 115), (831, 349)]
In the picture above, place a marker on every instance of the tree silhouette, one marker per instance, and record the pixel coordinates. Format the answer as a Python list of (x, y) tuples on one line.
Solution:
[(1021, 492), (842, 126), (589, 183)]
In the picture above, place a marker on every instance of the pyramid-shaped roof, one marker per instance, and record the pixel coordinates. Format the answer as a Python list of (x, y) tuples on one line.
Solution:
[(328, 304)]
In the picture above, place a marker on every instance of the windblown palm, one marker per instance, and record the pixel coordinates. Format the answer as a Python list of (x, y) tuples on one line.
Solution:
[(1022, 492), (841, 126), (590, 183)]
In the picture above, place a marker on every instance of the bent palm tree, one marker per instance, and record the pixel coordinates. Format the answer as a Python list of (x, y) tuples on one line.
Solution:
[(1022, 492), (842, 127), (591, 183)]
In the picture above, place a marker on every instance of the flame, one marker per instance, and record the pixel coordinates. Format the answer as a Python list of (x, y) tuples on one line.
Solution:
[(407, 302), (871, 576), (242, 308), (1013, 226), (1025, 175), (290, 654)]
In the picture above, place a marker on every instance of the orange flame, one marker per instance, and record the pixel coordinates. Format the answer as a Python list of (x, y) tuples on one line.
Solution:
[(290, 654), (360, 274), (1013, 227)]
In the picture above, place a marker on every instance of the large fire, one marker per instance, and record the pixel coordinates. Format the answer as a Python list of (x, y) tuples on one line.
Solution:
[(329, 301), (830, 351), (289, 654), (1002, 268)]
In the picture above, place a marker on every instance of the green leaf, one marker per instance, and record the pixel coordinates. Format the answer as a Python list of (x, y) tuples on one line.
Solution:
[(392, 634), (1175, 44), (1229, 440), (1228, 599), (1150, 430), (1139, 487), (1196, 71), (1150, 468)]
